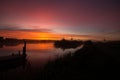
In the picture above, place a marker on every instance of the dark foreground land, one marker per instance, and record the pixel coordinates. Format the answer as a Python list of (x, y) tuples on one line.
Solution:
[(96, 60)]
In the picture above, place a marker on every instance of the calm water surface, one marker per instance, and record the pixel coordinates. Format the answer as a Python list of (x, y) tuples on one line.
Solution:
[(37, 56)]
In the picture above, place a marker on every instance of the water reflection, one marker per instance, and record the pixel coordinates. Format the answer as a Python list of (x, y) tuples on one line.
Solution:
[(67, 44), (37, 56), (13, 64), (8, 44), (65, 47), (40, 46)]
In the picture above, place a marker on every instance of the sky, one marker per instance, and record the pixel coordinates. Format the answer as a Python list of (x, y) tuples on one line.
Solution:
[(57, 19)]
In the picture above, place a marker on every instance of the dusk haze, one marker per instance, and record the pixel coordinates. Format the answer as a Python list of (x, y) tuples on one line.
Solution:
[(90, 19), (59, 39)]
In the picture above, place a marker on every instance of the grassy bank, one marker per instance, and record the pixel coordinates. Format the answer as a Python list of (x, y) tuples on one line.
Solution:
[(96, 60)]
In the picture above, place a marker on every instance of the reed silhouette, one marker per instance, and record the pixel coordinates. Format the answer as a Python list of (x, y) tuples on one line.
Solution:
[(96, 60)]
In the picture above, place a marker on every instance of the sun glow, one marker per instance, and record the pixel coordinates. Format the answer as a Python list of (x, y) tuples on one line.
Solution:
[(35, 35), (44, 36)]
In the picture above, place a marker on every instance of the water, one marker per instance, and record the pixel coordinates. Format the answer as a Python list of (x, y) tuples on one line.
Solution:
[(37, 56)]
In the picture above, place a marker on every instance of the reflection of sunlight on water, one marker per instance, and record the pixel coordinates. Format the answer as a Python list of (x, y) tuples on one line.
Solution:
[(39, 54), (61, 52), (40, 46), (8, 50)]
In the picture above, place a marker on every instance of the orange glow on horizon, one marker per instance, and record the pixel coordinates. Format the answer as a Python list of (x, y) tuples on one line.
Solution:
[(35, 35)]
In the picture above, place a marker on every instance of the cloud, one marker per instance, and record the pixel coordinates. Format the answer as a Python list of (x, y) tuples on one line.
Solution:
[(29, 28), (113, 32), (63, 16)]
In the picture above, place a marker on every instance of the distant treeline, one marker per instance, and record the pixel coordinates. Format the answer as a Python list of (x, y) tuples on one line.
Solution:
[(14, 40)]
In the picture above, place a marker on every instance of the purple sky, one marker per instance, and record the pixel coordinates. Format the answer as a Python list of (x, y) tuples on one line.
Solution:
[(81, 17)]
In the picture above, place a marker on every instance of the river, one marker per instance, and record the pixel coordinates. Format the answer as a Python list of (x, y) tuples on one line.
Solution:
[(37, 56)]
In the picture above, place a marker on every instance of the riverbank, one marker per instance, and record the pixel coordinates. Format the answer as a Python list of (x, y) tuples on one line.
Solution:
[(96, 60)]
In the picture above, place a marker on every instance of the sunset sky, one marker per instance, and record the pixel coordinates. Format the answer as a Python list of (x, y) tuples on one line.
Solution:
[(57, 19)]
